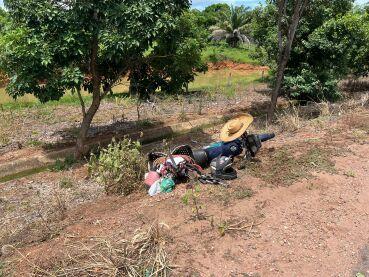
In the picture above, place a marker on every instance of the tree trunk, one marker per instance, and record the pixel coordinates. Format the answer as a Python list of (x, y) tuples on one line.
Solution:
[(284, 51), (278, 87), (81, 149)]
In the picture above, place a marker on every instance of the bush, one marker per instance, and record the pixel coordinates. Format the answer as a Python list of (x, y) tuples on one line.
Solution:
[(120, 167), (64, 165), (309, 86)]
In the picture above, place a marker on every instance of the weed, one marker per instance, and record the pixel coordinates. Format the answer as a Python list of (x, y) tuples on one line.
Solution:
[(120, 167), (145, 123), (4, 139), (65, 183), (34, 143), (182, 117), (60, 206), (2, 270), (350, 174), (192, 198), (311, 186), (289, 120), (242, 193), (64, 165)]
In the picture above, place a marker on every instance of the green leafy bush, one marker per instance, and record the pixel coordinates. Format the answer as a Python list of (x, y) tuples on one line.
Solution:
[(309, 86), (120, 167)]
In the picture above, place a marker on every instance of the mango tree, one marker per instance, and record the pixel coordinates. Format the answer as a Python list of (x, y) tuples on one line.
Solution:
[(51, 47)]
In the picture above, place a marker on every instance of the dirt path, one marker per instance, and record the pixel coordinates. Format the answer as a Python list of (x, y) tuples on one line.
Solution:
[(309, 219)]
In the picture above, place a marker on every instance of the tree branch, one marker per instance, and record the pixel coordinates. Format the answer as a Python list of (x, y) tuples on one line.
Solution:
[(83, 106)]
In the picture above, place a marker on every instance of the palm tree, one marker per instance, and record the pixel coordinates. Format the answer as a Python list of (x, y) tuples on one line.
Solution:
[(232, 26)]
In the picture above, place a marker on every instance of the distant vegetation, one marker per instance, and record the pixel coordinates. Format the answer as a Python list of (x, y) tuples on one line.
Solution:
[(221, 52)]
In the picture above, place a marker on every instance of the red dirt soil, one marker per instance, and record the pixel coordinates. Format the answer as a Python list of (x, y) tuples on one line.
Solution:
[(237, 66), (315, 227)]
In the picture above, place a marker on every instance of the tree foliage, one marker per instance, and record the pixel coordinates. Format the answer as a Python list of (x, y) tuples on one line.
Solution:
[(211, 13), (174, 60), (54, 46), (330, 44), (232, 26)]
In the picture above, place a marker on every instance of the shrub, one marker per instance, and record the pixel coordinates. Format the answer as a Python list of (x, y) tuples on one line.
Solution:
[(305, 85), (64, 165), (120, 167)]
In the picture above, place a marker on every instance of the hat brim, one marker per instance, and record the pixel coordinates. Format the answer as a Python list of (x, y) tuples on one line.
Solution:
[(246, 120)]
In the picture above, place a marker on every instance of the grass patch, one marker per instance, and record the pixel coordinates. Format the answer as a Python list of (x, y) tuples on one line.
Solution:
[(23, 174), (283, 168), (218, 53), (227, 196), (243, 193), (65, 183), (66, 164), (224, 81), (29, 101)]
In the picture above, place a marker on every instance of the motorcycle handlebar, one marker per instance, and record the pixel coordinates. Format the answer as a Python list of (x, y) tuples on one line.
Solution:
[(266, 137)]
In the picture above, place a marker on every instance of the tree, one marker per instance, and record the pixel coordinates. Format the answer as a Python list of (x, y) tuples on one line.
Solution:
[(344, 45), (4, 22), (286, 35), (174, 60), (232, 26), (211, 13), (60, 45), (308, 75)]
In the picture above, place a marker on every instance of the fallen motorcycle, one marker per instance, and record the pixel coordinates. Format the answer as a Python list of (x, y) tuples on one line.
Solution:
[(235, 141)]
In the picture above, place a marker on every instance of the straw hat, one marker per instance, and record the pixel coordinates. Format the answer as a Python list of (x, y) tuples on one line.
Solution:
[(236, 127)]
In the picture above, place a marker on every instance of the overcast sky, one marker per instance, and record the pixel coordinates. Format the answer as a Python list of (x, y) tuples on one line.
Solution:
[(200, 4)]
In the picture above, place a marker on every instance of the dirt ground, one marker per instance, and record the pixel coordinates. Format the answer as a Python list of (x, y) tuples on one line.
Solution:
[(300, 209)]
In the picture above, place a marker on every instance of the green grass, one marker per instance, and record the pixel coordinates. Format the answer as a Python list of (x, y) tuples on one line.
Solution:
[(225, 81), (222, 52), (29, 101)]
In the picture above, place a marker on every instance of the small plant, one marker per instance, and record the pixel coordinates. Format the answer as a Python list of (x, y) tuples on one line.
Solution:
[(350, 174), (120, 167), (64, 165), (65, 183), (145, 123), (243, 193), (2, 270), (34, 143), (192, 198)]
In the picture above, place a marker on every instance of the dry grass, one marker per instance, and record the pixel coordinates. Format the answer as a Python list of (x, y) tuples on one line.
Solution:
[(289, 120), (143, 255), (285, 168)]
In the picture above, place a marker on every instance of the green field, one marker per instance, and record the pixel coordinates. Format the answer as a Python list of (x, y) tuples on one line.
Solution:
[(223, 52)]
